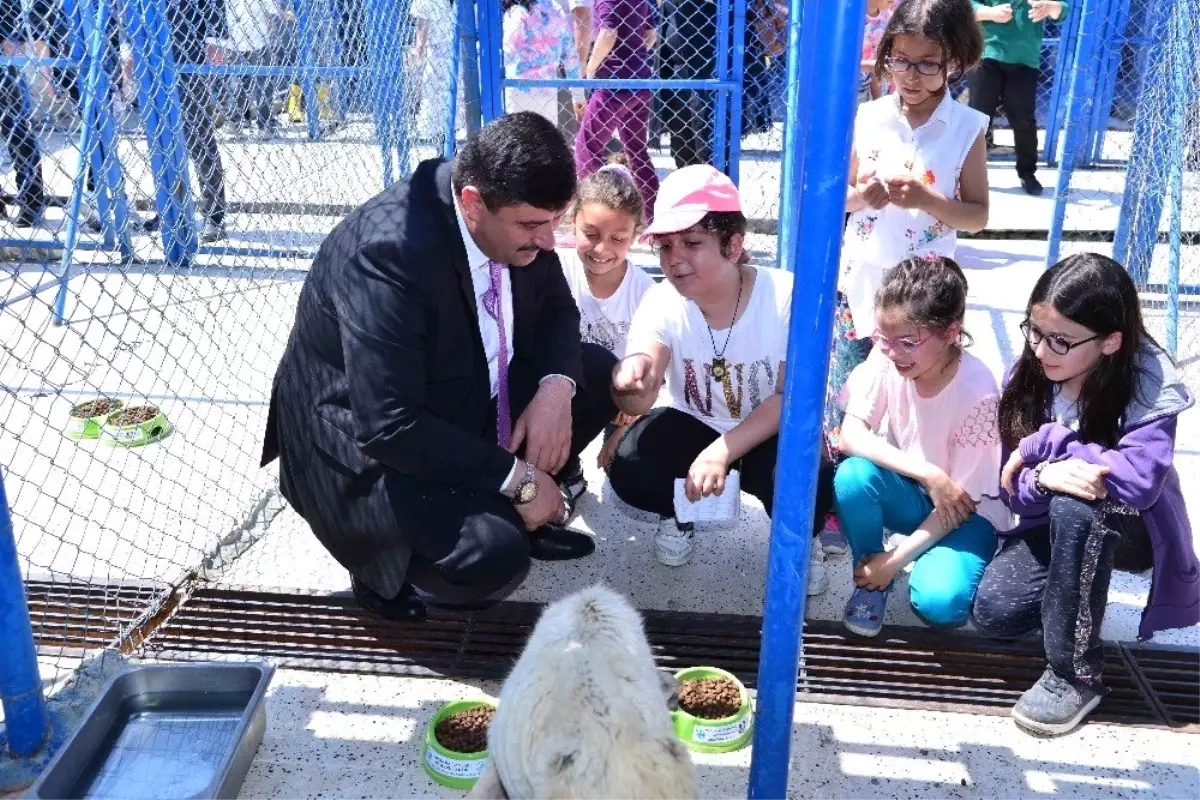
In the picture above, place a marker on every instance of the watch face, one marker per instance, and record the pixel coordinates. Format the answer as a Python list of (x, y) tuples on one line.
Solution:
[(527, 492)]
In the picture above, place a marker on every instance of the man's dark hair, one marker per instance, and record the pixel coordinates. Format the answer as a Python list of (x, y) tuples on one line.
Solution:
[(519, 158)]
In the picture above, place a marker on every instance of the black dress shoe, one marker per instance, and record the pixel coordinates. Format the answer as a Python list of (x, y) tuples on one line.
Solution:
[(408, 606), (551, 543), (1031, 185)]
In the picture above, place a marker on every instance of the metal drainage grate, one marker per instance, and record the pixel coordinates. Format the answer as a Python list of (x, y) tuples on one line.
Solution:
[(70, 618), (907, 667)]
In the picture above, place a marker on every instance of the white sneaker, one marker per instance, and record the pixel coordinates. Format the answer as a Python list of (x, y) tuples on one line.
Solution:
[(674, 543), (818, 576)]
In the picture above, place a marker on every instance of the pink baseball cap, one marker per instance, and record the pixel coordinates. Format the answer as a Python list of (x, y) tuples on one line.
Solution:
[(687, 195)]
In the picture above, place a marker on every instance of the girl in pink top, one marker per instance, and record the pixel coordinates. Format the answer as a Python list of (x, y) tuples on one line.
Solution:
[(936, 475)]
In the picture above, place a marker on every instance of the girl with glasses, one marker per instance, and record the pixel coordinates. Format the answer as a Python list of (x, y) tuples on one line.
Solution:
[(918, 169), (1089, 415), (934, 476)]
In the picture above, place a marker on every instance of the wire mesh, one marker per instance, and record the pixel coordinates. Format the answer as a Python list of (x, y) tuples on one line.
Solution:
[(169, 169), (1131, 182)]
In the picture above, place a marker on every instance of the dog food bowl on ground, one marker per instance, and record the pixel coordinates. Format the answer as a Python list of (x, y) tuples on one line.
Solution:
[(714, 735), (86, 418), (134, 426), (447, 767)]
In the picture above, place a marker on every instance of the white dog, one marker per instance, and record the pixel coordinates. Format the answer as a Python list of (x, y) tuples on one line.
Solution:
[(584, 713)]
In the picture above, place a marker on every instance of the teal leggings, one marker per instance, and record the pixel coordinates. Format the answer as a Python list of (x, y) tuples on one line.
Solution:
[(941, 587)]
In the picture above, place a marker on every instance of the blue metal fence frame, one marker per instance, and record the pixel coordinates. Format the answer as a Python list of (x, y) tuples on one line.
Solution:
[(817, 163)]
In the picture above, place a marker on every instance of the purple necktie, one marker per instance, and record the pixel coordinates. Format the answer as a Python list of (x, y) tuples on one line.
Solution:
[(494, 305)]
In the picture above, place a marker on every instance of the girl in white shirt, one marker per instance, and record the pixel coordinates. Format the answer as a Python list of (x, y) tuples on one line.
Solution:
[(918, 170), (708, 348), (607, 288)]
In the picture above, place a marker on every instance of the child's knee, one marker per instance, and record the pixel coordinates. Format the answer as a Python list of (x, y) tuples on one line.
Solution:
[(853, 477), (941, 604)]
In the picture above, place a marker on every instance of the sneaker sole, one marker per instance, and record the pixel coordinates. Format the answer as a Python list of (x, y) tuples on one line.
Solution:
[(672, 561), (869, 633), (1051, 728), (820, 587)]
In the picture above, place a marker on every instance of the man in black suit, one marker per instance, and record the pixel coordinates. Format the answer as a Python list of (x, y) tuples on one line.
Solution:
[(427, 311)]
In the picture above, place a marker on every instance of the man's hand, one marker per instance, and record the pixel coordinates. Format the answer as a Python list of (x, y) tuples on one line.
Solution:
[(545, 427), (547, 508), (1040, 10), (707, 474), (1008, 475), (609, 451), (875, 571), (1001, 14), (908, 192), (952, 505), (1075, 477), (873, 191)]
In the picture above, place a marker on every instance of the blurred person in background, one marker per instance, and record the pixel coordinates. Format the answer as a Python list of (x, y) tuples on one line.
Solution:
[(539, 41), (15, 127)]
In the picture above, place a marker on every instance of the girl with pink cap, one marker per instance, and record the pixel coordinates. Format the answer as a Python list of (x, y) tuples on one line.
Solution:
[(704, 364)]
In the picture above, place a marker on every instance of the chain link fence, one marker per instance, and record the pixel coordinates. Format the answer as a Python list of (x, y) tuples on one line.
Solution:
[(169, 169), (1129, 184)]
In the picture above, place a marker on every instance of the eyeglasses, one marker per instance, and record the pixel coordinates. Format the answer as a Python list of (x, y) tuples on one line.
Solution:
[(1057, 344), (929, 68), (904, 344)]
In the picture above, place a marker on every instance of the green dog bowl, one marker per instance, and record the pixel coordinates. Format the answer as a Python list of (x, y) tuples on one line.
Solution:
[(714, 735), (134, 426), (87, 417), (452, 769)]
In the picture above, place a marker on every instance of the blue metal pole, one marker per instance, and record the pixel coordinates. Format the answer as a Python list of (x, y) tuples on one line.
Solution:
[(1183, 68), (720, 129), (456, 52), (1146, 177), (1063, 66), (308, 55), (468, 44), (821, 108), (738, 77), (1115, 15), (1079, 103), (25, 720), (376, 11), (397, 45), (149, 34)]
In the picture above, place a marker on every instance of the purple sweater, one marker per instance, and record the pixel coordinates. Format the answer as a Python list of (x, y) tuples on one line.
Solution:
[(1141, 475), (630, 58)]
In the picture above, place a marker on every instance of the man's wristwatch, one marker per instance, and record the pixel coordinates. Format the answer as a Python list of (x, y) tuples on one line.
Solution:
[(527, 489)]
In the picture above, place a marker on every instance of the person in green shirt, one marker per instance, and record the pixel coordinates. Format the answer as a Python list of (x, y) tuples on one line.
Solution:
[(1008, 74)]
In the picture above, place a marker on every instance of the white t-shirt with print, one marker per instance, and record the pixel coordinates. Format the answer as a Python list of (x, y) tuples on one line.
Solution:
[(605, 322), (757, 344), (878, 239)]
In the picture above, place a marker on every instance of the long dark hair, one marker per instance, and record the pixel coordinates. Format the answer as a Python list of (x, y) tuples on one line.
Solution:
[(1096, 292)]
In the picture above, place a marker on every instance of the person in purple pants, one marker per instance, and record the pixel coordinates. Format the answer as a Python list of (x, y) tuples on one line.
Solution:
[(625, 36)]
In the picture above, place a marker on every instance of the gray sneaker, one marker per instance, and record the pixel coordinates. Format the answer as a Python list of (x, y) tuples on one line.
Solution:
[(1054, 705)]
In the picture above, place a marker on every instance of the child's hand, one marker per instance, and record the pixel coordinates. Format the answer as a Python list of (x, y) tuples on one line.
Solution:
[(872, 190), (609, 451), (632, 374), (1075, 477), (875, 571), (1008, 475), (908, 192), (1043, 9), (952, 505), (1002, 13), (707, 474)]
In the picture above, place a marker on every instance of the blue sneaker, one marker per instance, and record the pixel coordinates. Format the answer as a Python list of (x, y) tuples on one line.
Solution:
[(865, 610), (833, 542)]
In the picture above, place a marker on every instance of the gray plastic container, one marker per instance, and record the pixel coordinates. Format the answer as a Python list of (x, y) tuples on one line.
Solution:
[(165, 732)]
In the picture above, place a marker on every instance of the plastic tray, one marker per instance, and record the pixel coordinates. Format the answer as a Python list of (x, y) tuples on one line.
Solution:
[(164, 732)]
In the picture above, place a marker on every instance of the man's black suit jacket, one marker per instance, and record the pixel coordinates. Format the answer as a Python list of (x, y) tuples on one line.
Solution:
[(385, 372)]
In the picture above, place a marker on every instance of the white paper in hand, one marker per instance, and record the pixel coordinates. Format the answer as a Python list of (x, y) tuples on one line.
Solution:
[(724, 507)]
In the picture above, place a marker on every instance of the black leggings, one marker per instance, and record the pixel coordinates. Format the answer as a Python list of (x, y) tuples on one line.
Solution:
[(1056, 576), (661, 446)]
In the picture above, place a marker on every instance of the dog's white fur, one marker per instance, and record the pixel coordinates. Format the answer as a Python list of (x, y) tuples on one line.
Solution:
[(583, 713)]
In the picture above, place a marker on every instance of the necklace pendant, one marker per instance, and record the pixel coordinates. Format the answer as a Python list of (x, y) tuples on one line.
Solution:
[(719, 370)]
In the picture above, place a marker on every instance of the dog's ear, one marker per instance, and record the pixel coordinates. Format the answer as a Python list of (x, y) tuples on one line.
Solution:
[(489, 786), (670, 689)]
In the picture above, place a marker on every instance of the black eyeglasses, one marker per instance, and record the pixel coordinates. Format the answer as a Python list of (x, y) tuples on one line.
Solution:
[(929, 68), (1056, 343)]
